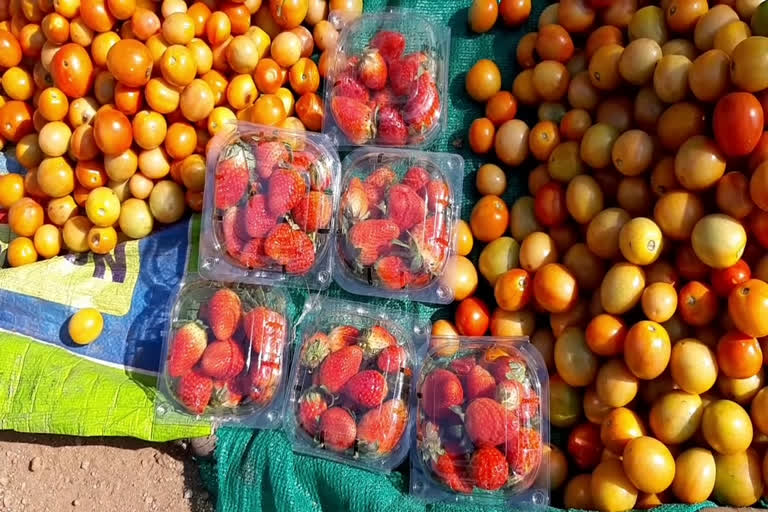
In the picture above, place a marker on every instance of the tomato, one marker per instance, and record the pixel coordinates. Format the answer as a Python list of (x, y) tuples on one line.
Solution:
[(675, 417), (21, 251), (102, 240), (47, 241), (543, 139), (197, 100), (309, 108), (748, 307), (25, 216), (659, 302), (121, 9), (550, 204), (145, 23), (472, 317), (513, 290), (72, 70), (483, 80), (200, 13), (585, 446), (85, 326), (615, 385), (555, 288), (11, 189), (619, 427), (130, 62), (733, 194), (578, 493), (304, 76), (489, 218), (178, 28), (481, 135), (15, 120), (289, 13), (512, 323), (697, 303), (112, 131), (726, 427), (91, 174), (738, 123), (738, 480), (102, 207), (10, 50), (647, 349), (648, 464), (739, 356), (55, 177), (622, 288), (96, 15), (748, 64), (575, 363), (269, 109), (724, 280), (239, 16)]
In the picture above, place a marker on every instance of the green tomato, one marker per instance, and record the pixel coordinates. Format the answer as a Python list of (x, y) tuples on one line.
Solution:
[(564, 403), (499, 256)]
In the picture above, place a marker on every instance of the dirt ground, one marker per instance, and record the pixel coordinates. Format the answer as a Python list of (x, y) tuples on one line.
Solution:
[(43, 473)]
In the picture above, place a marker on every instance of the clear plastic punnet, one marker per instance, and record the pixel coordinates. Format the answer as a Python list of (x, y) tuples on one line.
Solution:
[(349, 394), (481, 413), (268, 213), (388, 82), (226, 354), (396, 226)]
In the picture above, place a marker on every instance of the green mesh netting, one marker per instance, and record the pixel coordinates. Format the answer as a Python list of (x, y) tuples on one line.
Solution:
[(256, 471)]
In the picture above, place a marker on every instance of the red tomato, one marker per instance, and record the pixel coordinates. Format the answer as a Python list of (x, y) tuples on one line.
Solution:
[(585, 446), (549, 206), (72, 70), (689, 265), (472, 317), (738, 123), (724, 280), (697, 304), (739, 356)]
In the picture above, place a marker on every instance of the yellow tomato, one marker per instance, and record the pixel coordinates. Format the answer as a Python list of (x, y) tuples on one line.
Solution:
[(460, 277), (102, 207), (85, 326)]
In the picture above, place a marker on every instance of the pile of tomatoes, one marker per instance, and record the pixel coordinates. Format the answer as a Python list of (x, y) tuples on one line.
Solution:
[(111, 104), (637, 263)]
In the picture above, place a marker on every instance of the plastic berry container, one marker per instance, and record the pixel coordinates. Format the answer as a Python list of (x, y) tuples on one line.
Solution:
[(396, 223), (349, 395), (388, 81), (268, 207), (225, 353), (481, 422)]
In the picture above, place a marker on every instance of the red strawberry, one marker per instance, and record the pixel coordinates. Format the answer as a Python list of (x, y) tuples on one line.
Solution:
[(286, 188), (231, 182), (391, 359), (488, 468), (337, 429), (227, 393), (390, 127), (354, 118), (463, 365), (311, 406), (374, 195), (440, 391), (488, 423), (314, 350), (348, 86), (393, 273), (291, 248), (374, 340), (262, 381), (383, 98), (404, 72), (452, 470), (224, 310), (421, 101), (382, 177), (372, 70), (341, 336), (381, 429), (313, 212), (509, 393), (195, 391), (354, 202), (431, 242), (371, 237), (366, 389), (339, 367), (187, 348), (258, 219), (438, 196), (524, 452), (390, 44), (222, 360), (265, 330), (508, 368), (252, 254), (405, 207), (233, 231), (417, 178), (269, 155), (479, 383), (302, 161)]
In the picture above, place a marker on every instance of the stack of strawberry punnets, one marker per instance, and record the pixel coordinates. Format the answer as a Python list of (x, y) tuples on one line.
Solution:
[(225, 356), (479, 419)]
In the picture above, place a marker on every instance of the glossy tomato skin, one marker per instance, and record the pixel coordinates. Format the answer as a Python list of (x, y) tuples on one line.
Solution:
[(738, 123), (739, 356), (472, 317), (585, 446), (748, 307), (724, 280), (72, 70), (549, 204)]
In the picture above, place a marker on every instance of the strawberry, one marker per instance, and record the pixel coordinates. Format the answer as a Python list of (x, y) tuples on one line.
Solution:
[(381, 429), (391, 359), (372, 70), (222, 360), (524, 452), (440, 391), (313, 212), (382, 177), (195, 391), (231, 182), (508, 368), (302, 161), (479, 383), (354, 202), (187, 348), (390, 127), (417, 178), (422, 102), (252, 254), (339, 367), (314, 350), (366, 389), (258, 219), (348, 86), (383, 98), (509, 393), (311, 406), (265, 330), (286, 188), (291, 248), (488, 468), (354, 118), (233, 231), (404, 72), (374, 195), (227, 393), (374, 340), (269, 156), (341, 336), (372, 237), (224, 310), (463, 365), (438, 196), (337, 429), (451, 469), (320, 176), (390, 44), (488, 424), (393, 273), (405, 207), (431, 242), (262, 381)]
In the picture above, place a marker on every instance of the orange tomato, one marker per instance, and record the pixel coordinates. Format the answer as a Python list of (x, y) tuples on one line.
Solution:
[(489, 218), (199, 12), (72, 70), (25, 216), (481, 135), (513, 290), (304, 76), (197, 100), (130, 62), (121, 9), (269, 109), (180, 141), (748, 307), (739, 356), (697, 303), (90, 174), (501, 107), (21, 251), (55, 27), (515, 12), (161, 96), (53, 104), (10, 50), (647, 349), (218, 28), (268, 75), (144, 23), (309, 108), (11, 189), (48, 241), (555, 288), (289, 13), (15, 120), (239, 16), (112, 131)]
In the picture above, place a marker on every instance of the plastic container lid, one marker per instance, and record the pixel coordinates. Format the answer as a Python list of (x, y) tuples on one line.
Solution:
[(225, 353), (481, 422), (268, 208), (388, 82), (350, 384), (396, 223)]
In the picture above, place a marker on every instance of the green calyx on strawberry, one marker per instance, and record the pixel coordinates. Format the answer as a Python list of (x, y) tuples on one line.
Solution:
[(227, 393), (187, 348), (372, 341), (314, 350), (509, 368)]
